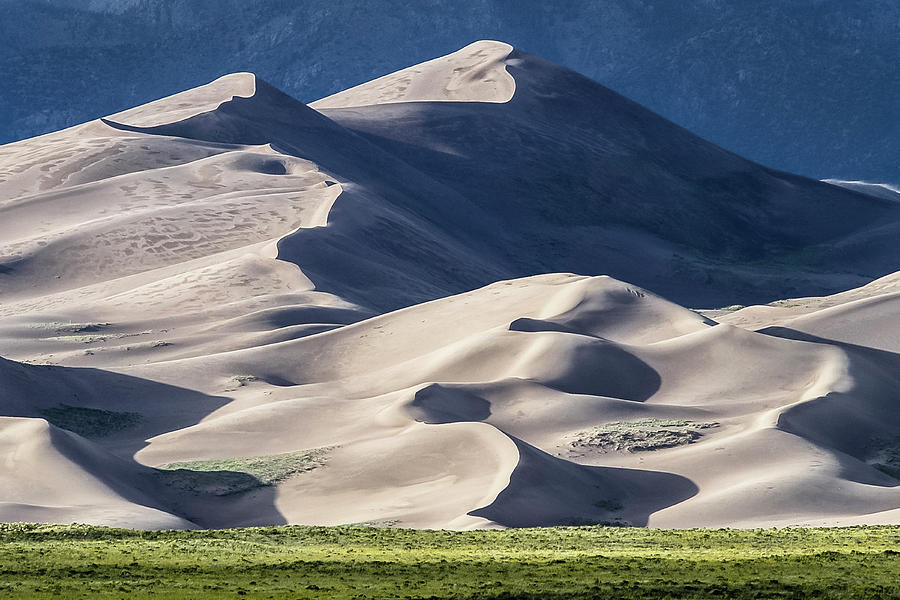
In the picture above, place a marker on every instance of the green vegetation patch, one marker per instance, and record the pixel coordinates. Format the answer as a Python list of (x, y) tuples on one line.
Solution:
[(90, 422), (226, 476), (732, 308), (640, 436), (239, 381), (52, 561)]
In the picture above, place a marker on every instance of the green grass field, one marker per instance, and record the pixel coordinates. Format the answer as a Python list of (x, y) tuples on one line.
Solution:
[(47, 561)]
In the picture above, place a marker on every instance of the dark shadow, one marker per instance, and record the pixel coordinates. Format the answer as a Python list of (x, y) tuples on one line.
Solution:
[(886, 358), (602, 368), (855, 425), (547, 491), (566, 169), (688, 239), (279, 317), (117, 413), (436, 404), (527, 325), (851, 428), (272, 167), (208, 483)]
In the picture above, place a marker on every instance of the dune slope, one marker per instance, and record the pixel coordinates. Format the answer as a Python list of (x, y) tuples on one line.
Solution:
[(584, 177)]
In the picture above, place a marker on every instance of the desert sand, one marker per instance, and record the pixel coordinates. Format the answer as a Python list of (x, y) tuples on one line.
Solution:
[(384, 280)]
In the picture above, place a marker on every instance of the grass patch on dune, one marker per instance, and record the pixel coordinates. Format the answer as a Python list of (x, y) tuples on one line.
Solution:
[(90, 422), (239, 381), (84, 333), (226, 476), (732, 308), (640, 436), (48, 561), (71, 328)]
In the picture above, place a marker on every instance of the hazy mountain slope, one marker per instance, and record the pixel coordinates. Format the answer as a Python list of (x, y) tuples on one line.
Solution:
[(807, 87)]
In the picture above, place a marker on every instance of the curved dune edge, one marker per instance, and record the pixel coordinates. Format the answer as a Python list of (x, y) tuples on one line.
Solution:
[(476, 73), (190, 103), (458, 468), (99, 488)]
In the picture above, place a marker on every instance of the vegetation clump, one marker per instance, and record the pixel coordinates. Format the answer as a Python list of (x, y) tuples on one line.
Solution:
[(640, 436), (90, 422), (239, 381), (70, 328), (732, 308), (225, 476)]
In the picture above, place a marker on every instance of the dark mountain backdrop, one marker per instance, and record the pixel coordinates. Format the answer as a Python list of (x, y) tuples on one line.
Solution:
[(808, 86)]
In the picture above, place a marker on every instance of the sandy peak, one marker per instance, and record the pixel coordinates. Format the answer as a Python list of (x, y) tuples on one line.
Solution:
[(475, 73), (189, 103), (489, 45)]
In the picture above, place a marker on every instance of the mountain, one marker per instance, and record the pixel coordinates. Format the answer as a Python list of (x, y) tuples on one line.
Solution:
[(227, 307), (807, 87)]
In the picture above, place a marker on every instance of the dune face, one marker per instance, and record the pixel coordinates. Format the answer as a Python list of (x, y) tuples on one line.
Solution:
[(582, 176), (229, 308), (477, 73)]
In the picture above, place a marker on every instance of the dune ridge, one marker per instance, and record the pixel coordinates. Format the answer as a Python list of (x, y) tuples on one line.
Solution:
[(476, 73)]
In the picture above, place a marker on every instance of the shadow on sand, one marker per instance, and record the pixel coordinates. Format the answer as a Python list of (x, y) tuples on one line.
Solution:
[(133, 410)]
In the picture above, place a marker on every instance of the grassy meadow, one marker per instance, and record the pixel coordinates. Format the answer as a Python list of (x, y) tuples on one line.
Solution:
[(357, 562)]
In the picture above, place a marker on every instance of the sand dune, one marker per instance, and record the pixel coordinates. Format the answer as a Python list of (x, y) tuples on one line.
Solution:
[(56, 476), (476, 73), (388, 396), (228, 308), (581, 176)]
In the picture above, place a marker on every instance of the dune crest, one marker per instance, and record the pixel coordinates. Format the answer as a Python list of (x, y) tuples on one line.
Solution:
[(476, 73), (190, 103)]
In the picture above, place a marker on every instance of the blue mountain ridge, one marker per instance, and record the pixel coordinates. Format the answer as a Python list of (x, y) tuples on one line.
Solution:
[(808, 87)]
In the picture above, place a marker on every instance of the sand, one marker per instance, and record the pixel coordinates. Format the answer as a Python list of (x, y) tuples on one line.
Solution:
[(386, 279), (476, 73)]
